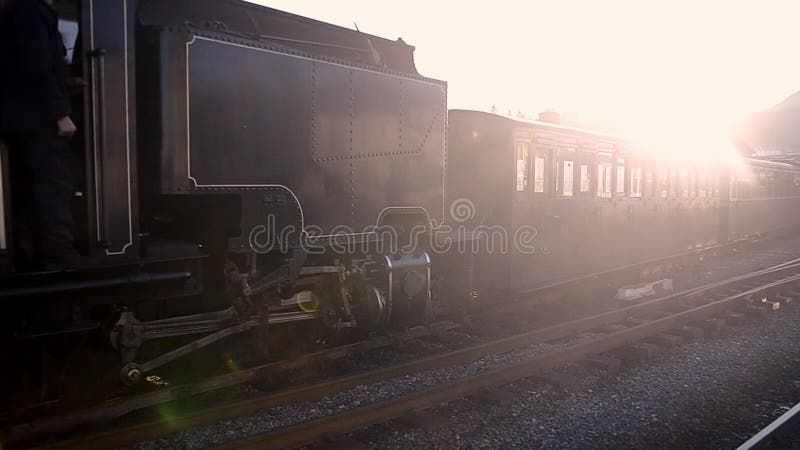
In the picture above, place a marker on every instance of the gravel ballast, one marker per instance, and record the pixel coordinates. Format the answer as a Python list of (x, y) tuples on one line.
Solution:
[(712, 393)]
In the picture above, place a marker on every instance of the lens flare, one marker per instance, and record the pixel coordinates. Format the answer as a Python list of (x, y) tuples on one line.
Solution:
[(307, 301), (232, 365)]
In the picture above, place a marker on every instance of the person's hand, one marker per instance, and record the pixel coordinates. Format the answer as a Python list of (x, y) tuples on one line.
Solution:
[(65, 127)]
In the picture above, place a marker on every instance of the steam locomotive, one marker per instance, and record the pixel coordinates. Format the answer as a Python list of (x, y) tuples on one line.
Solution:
[(242, 166), (248, 170)]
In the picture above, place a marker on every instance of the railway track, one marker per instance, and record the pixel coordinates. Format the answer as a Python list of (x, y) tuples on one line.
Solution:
[(757, 291), (770, 436), (117, 407), (309, 432)]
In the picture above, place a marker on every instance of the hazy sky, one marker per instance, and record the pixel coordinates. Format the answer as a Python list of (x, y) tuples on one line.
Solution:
[(647, 68)]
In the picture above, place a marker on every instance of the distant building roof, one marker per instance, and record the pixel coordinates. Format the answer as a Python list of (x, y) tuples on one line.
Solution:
[(774, 132)]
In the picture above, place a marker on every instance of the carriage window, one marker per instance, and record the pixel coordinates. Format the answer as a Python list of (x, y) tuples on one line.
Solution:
[(568, 178), (620, 177), (538, 174), (649, 183), (782, 182), (586, 165), (636, 182), (523, 161), (673, 183), (586, 181), (744, 189), (764, 186), (741, 184), (684, 183), (604, 172), (702, 186), (786, 185), (662, 187)]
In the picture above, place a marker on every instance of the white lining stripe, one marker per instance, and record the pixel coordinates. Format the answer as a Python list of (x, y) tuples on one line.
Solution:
[(3, 238), (97, 169)]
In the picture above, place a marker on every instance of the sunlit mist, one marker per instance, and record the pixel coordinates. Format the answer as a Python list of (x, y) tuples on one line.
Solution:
[(674, 74)]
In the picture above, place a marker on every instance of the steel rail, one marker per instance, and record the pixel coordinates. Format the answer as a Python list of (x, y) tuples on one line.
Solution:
[(359, 417), (158, 428), (788, 420)]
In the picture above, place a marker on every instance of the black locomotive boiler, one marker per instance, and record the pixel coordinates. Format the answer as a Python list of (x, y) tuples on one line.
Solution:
[(245, 168)]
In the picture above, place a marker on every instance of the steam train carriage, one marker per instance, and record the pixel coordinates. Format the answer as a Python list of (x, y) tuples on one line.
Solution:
[(763, 197), (591, 202), (238, 162)]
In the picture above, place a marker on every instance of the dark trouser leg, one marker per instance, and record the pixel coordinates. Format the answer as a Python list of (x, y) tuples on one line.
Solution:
[(53, 169), (22, 214)]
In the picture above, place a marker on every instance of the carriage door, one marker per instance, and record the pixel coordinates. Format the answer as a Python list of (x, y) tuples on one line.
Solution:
[(108, 52)]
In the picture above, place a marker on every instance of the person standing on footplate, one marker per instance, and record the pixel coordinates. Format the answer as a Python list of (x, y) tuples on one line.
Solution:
[(35, 122)]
